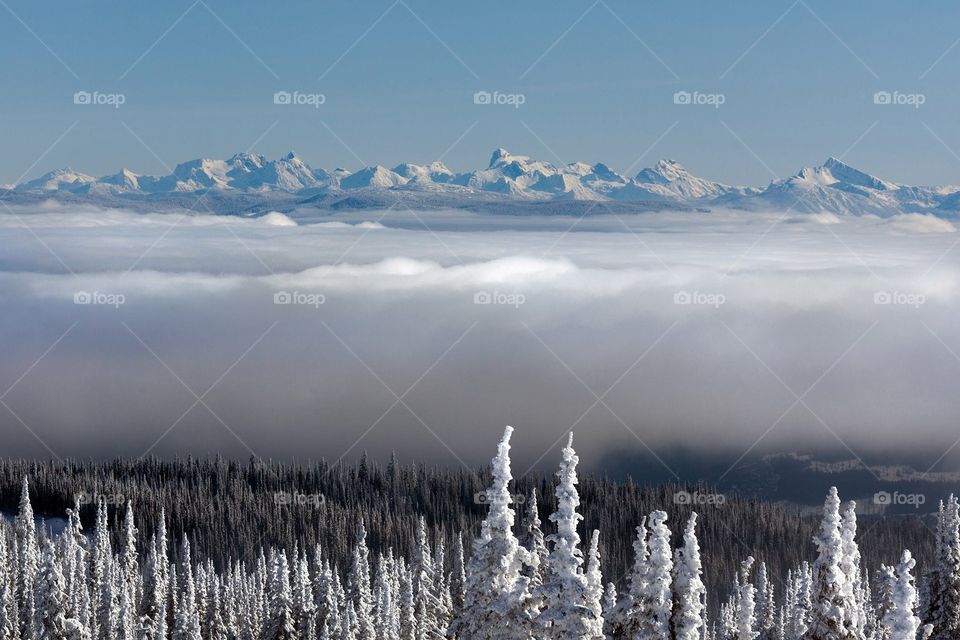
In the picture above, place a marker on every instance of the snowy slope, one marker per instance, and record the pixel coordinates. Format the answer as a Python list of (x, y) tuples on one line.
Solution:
[(839, 188), (61, 179)]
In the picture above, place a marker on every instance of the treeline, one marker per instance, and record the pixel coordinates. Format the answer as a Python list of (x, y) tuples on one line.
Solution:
[(229, 509), (520, 578)]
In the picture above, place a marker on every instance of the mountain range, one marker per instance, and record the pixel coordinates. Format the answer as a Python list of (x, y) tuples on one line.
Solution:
[(247, 183)]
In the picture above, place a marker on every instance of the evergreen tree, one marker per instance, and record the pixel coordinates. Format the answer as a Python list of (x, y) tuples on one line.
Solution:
[(609, 610), (359, 589), (426, 600), (130, 558), (943, 581), (566, 612), (280, 624), (51, 613), (901, 622), (595, 590), (746, 617), (29, 560), (187, 619), (854, 617), (496, 594), (458, 579), (766, 605), (534, 542), (688, 591), (828, 620), (656, 598)]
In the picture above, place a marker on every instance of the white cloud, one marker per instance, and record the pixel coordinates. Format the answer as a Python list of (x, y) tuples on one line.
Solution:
[(598, 296), (920, 223), (277, 219)]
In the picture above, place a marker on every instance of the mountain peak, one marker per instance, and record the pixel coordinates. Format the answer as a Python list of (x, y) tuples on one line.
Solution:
[(663, 172), (835, 163), (499, 154), (668, 162), (835, 171)]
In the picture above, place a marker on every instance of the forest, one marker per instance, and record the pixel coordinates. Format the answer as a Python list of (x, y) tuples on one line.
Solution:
[(219, 549)]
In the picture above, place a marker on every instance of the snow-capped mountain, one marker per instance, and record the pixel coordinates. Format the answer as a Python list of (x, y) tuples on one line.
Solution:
[(839, 188), (508, 179), (56, 180), (376, 176)]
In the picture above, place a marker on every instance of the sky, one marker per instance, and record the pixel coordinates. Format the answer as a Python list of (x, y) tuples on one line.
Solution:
[(722, 334), (596, 81)]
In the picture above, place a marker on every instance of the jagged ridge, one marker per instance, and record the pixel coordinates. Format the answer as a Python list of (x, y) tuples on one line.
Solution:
[(833, 186)]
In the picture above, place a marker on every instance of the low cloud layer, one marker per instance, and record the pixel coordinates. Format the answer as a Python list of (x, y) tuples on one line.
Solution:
[(646, 335)]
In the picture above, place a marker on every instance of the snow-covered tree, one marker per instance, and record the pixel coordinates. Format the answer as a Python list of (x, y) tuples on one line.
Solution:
[(187, 618), (689, 593), (458, 578), (84, 588), (495, 600), (51, 614), (359, 589), (595, 589), (534, 542), (610, 603), (901, 621), (280, 624), (766, 605), (854, 617), (655, 602), (567, 612), (829, 601), (943, 580), (131, 569), (746, 614), (29, 560), (627, 619)]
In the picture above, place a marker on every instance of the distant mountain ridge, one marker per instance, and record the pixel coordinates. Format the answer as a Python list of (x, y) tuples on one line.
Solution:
[(507, 180)]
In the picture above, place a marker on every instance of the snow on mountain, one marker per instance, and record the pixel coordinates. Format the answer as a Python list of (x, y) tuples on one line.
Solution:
[(375, 176), (289, 173), (125, 181), (670, 178), (833, 187), (839, 188), (60, 179), (435, 172), (565, 187)]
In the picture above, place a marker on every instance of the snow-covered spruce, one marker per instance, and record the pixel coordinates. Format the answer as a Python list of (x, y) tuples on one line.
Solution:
[(567, 610), (127, 584)]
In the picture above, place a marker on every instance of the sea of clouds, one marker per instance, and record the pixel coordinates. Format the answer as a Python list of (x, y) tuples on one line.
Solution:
[(303, 336)]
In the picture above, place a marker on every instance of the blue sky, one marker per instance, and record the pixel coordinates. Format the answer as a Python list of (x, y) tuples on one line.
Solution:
[(598, 79)]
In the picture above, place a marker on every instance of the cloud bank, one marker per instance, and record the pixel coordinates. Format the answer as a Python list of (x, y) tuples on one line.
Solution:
[(425, 333)]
